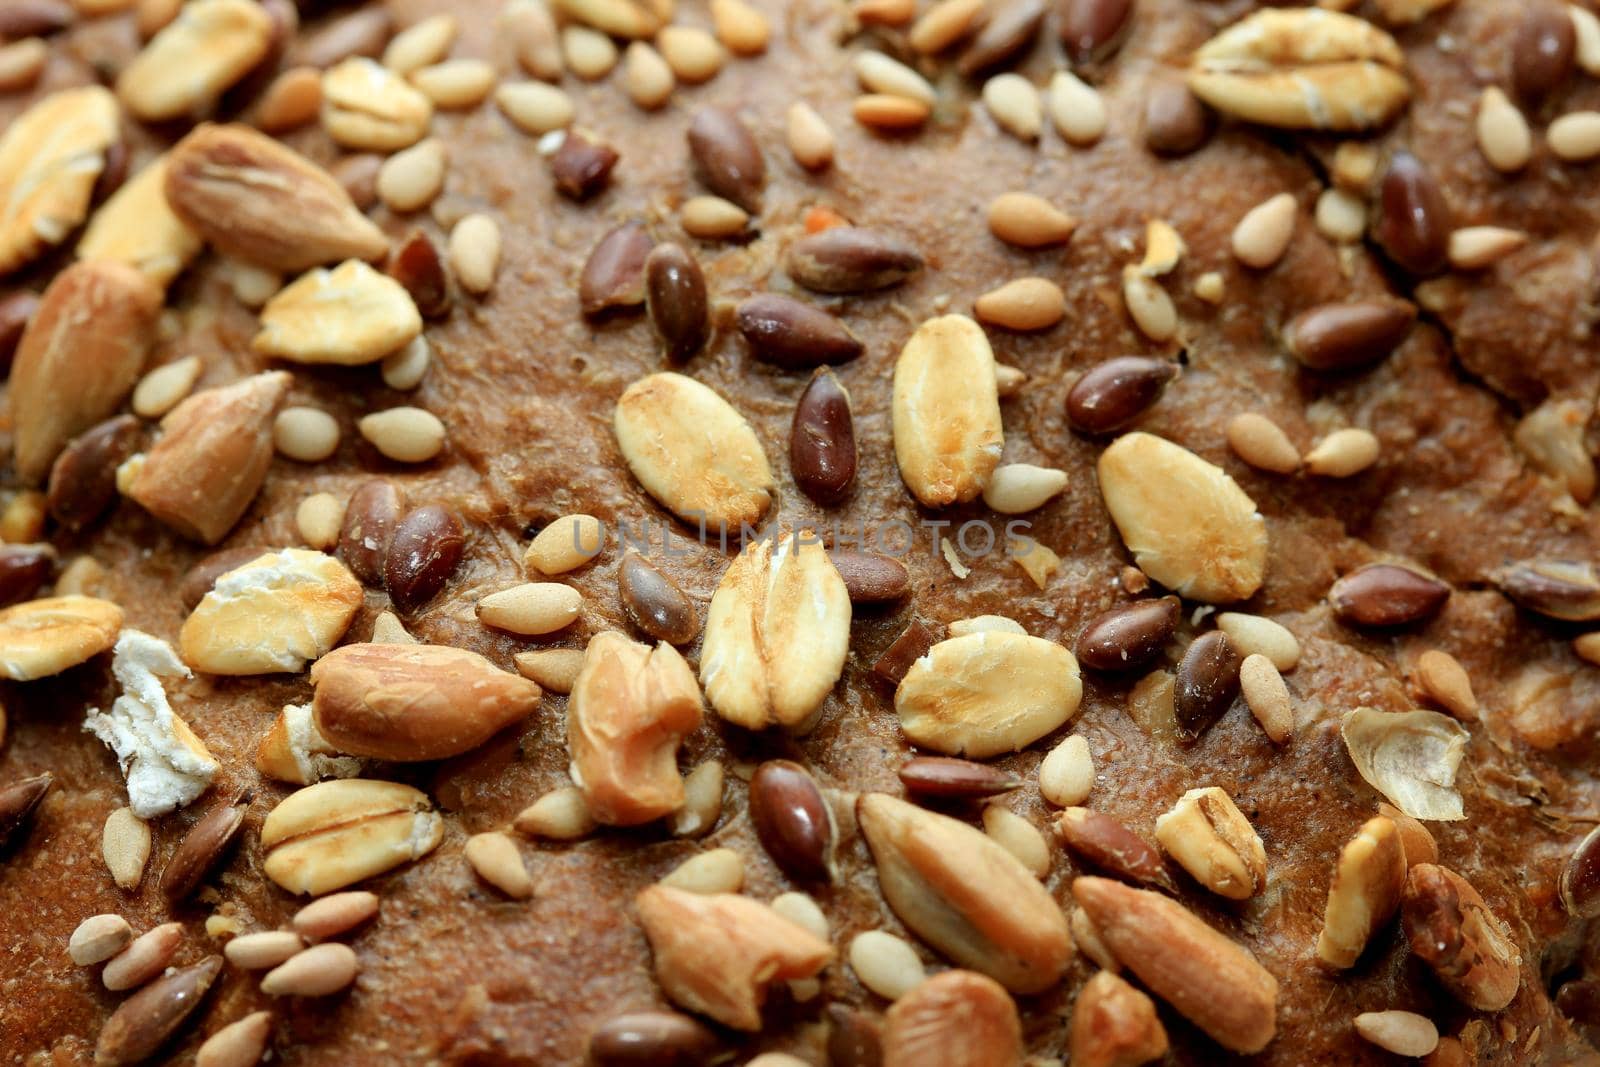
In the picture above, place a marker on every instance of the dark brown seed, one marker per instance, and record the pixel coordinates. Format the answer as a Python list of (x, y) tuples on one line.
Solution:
[(112, 174), (1111, 846), (1414, 222), (23, 569), (83, 479), (1382, 594), (870, 577), (822, 441), (15, 311), (1566, 589), (423, 554), (1112, 394), (792, 820), (33, 18), (850, 259), (946, 777), (359, 176), (582, 165), (613, 276), (790, 333), (1092, 30), (1004, 35), (1129, 635), (204, 574), (361, 33), (369, 521), (1578, 1001), (1344, 336), (1543, 51), (416, 265), (203, 847), (912, 644), (654, 603), (18, 801), (1175, 121), (652, 1039), (1207, 682), (1580, 879), (675, 297), (855, 1039), (726, 158), (148, 1019)]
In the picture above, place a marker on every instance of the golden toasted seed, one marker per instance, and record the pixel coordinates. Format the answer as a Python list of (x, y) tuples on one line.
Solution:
[(351, 315), (159, 391), (1575, 137), (475, 252), (740, 26), (589, 53), (144, 958), (319, 519), (369, 108), (1015, 488), (1503, 134), (535, 107), (455, 84), (887, 965), (98, 938), (272, 614), (885, 111), (305, 434), (21, 63), (1477, 247), (495, 858), (316, 972), (39, 638), (53, 153), (335, 914), (555, 669), (1211, 839), (410, 179), (1019, 837), (1267, 696), (884, 12), (1343, 453), (986, 692), (419, 45), (880, 74), (947, 431), (943, 24), (1341, 216), (125, 845), (260, 951), (1066, 775), (560, 815), (1404, 1033), (1446, 682), (532, 608), (692, 53), (1029, 221), (1163, 249), (711, 218), (566, 544), (404, 434), (1253, 633), (1262, 443), (1149, 306), (1014, 103), (811, 142), (702, 800), (253, 286), (194, 59), (1262, 236), (720, 870), (647, 77), (1023, 304), (292, 100), (403, 370), (1209, 287)]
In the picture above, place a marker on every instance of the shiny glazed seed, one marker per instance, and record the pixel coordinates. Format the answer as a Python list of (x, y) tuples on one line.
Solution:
[(946, 777), (1207, 681), (369, 522), (1112, 394), (1580, 878), (1344, 336), (1382, 594), (912, 644), (34, 18), (582, 166), (855, 1038), (1108, 844), (652, 1039), (1561, 589), (423, 555), (613, 275), (1543, 50), (869, 577), (1128, 636), (1091, 30), (822, 440), (851, 259), (18, 801), (1413, 223), (792, 820), (726, 157), (792, 334), (23, 569), (83, 479), (1008, 29), (202, 848), (145, 1021), (654, 603), (1175, 121), (675, 297)]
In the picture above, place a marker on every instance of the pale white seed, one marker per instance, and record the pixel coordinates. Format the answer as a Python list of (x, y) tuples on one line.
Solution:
[(1267, 697), (943, 24), (159, 391), (712, 218), (1477, 247), (1343, 453), (568, 543), (555, 669), (1019, 837), (82, 577), (803, 910), (403, 370), (387, 629), (455, 84), (1262, 236), (125, 846), (318, 971), (1503, 134), (1077, 109), (335, 914), (720, 870), (496, 859), (590, 53), (1149, 306), (260, 951), (702, 800), (1403, 1033), (239, 1044), (253, 286), (887, 965), (532, 608), (1252, 634), (318, 518), (535, 107), (1210, 287), (305, 434), (693, 54), (1575, 137), (1587, 26), (978, 624), (879, 73), (1066, 775), (475, 252), (98, 938), (646, 76), (559, 815), (410, 179), (404, 434), (811, 142), (1014, 103), (418, 46), (1341, 216), (1262, 443), (1015, 488)]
